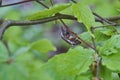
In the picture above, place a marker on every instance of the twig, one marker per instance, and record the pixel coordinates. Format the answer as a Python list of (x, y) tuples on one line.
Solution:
[(6, 5), (105, 26), (7, 23), (114, 18), (7, 47), (98, 68), (93, 40), (86, 44), (3, 27), (109, 22), (42, 4), (63, 23), (52, 2), (96, 57), (73, 1)]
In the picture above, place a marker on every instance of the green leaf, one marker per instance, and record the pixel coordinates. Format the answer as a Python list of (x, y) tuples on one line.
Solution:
[(66, 66), (43, 46), (21, 51), (84, 14), (100, 36), (85, 76), (13, 14), (105, 73), (110, 53), (108, 30), (48, 12), (85, 36), (111, 46), (14, 34), (112, 62), (117, 29), (13, 72), (105, 9), (3, 52), (115, 76)]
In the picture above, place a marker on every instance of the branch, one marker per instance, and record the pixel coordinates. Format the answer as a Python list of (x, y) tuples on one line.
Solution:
[(103, 19), (106, 26), (15, 3), (7, 23), (114, 18)]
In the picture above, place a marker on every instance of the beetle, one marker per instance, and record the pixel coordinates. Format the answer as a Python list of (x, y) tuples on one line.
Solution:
[(69, 36)]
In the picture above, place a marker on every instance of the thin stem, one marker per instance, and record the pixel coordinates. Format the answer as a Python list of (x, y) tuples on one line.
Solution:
[(7, 47), (6, 5), (42, 4), (64, 23), (7, 23), (94, 44), (109, 22), (84, 42), (96, 57), (73, 1), (93, 40), (52, 2), (106, 26), (114, 18), (98, 68)]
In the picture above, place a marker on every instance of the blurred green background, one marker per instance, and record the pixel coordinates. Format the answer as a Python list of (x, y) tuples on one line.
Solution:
[(25, 48)]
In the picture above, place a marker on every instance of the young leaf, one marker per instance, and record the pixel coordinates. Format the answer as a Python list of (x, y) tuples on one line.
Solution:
[(111, 46), (112, 62), (21, 51), (85, 36), (14, 34), (99, 36), (66, 66), (108, 30), (84, 14), (105, 73), (85, 76), (48, 12), (43, 46), (110, 53), (115, 76)]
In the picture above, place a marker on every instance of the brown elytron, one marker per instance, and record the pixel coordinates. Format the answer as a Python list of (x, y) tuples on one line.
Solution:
[(69, 36)]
